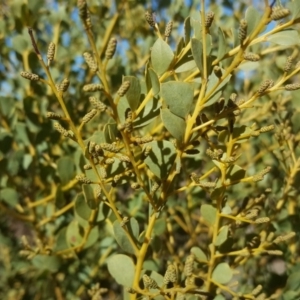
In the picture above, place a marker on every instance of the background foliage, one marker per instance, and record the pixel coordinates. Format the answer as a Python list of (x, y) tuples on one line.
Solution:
[(176, 202)]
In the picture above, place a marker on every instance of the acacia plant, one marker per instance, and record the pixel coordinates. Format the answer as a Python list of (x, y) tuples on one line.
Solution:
[(146, 157)]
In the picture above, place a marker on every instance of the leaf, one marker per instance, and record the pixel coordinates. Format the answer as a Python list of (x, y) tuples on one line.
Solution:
[(219, 297), (285, 38), (20, 44), (222, 46), (81, 208), (89, 196), (73, 234), (187, 30), (222, 236), (134, 92), (178, 96), (295, 9), (197, 50), (121, 268), (9, 196), (154, 81), (187, 66), (209, 213), (293, 282), (222, 273), (214, 86), (161, 158), (92, 238), (235, 173), (199, 254), (60, 200), (161, 56), (61, 240), (65, 169), (150, 112), (121, 238), (46, 263), (253, 18), (174, 124)]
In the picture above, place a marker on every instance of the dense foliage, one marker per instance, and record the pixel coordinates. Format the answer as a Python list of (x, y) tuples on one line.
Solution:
[(149, 155)]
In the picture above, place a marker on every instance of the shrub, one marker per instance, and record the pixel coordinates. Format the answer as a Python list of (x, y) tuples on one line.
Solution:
[(147, 158)]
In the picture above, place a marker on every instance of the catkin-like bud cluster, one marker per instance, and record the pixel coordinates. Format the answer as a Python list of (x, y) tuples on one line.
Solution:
[(170, 275), (243, 30), (279, 12), (97, 104), (111, 48), (285, 237), (215, 154), (209, 19), (150, 18), (109, 147), (62, 130), (51, 52), (292, 87), (63, 86), (267, 84), (261, 174), (87, 167), (149, 283), (267, 128), (89, 59), (53, 116), (124, 158), (142, 140), (123, 88), (89, 116), (168, 29), (30, 76), (207, 184), (262, 220), (288, 64), (189, 265), (251, 56), (257, 290), (83, 179), (93, 87)]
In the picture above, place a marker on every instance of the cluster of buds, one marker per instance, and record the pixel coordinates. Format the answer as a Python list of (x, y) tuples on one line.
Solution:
[(62, 87), (123, 88), (89, 116), (171, 274), (89, 59), (111, 48), (189, 265), (53, 116), (83, 179), (30, 76), (30, 252), (251, 56), (261, 174), (93, 87), (84, 13), (243, 30), (149, 283), (215, 154), (50, 53), (63, 131), (142, 140), (279, 12), (97, 104), (150, 18), (267, 84), (168, 29), (292, 87), (288, 64), (209, 19)]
